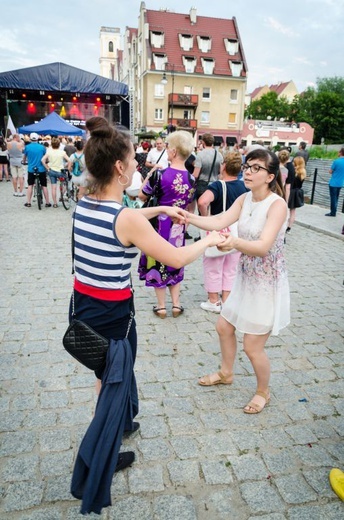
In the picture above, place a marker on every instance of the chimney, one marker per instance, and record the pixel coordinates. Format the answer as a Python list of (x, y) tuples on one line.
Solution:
[(193, 15)]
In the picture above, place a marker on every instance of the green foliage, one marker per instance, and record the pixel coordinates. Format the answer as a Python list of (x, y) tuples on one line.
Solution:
[(320, 152), (321, 107)]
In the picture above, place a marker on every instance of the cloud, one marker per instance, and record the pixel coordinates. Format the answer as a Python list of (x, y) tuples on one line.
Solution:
[(302, 59), (277, 26)]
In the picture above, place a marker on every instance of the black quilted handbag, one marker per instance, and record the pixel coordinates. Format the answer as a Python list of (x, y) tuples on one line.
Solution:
[(85, 345)]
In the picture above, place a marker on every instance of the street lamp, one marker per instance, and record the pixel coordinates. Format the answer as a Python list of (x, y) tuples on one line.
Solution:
[(164, 81)]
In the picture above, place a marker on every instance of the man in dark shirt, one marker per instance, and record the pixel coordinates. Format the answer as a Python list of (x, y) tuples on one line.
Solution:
[(69, 148), (302, 152)]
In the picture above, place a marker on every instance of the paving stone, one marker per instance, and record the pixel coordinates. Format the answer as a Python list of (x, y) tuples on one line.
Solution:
[(132, 508), (216, 472), (154, 449), (55, 440), (11, 421), (22, 495), (261, 497), (20, 468), (294, 489), (56, 463), (148, 479), (301, 434), (248, 467), (174, 506), (183, 472), (333, 511), (58, 488), (17, 442), (46, 513), (282, 461)]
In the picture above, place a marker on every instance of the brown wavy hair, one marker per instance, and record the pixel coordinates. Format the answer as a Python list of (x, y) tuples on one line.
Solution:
[(105, 146), (272, 164)]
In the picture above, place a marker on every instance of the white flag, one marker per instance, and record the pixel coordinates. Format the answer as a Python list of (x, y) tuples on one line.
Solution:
[(11, 129)]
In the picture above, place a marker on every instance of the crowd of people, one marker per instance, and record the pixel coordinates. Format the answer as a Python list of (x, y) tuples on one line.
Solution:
[(23, 156)]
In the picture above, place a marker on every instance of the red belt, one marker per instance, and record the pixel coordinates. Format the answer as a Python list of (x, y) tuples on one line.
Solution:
[(103, 294)]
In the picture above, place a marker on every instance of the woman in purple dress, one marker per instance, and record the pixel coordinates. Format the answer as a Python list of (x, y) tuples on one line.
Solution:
[(175, 187)]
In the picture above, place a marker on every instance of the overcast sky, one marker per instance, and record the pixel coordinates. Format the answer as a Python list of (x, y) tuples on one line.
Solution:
[(297, 40)]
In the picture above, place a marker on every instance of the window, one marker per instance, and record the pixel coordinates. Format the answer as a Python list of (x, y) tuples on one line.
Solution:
[(189, 63), (110, 46), (208, 65), (158, 114), (204, 43), (186, 42), (232, 46), (187, 114), (236, 68), (187, 89), (234, 96), (157, 39), (205, 117), (232, 118), (206, 94), (159, 61), (159, 90)]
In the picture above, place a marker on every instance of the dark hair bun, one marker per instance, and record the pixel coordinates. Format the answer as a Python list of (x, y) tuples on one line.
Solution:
[(99, 127)]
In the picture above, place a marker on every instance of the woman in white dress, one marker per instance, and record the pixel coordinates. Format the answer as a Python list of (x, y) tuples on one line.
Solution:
[(259, 303)]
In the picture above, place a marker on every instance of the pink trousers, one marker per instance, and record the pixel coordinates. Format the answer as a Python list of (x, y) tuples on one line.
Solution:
[(219, 272)]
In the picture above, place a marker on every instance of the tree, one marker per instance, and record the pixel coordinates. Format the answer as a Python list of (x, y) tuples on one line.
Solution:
[(301, 108), (269, 105), (334, 84), (328, 110)]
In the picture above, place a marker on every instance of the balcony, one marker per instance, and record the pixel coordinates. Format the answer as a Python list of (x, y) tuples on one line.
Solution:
[(181, 123), (183, 100)]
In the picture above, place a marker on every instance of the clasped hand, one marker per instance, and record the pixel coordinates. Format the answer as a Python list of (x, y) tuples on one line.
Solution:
[(228, 242)]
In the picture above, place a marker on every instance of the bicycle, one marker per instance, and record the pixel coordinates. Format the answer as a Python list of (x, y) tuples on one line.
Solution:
[(37, 189), (68, 190)]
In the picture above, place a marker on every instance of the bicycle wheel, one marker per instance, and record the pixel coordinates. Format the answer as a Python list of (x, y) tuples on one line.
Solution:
[(65, 194), (39, 194)]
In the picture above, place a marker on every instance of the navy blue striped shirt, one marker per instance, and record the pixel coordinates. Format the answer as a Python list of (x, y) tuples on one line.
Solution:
[(101, 260)]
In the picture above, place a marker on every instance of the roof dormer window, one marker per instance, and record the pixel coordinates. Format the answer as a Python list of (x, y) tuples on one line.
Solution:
[(232, 46), (208, 65), (159, 61), (189, 63), (186, 42), (157, 39), (204, 43), (236, 68)]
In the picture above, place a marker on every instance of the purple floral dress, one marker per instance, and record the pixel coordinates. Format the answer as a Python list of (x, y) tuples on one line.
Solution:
[(259, 301), (176, 188)]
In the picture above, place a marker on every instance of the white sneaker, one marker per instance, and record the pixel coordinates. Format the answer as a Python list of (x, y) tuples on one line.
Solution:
[(211, 307)]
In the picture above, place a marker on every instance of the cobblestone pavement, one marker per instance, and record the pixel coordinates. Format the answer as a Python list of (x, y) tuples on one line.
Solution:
[(198, 456)]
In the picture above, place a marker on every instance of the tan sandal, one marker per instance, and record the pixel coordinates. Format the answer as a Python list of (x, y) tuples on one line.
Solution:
[(221, 380), (177, 311), (257, 408), (160, 311)]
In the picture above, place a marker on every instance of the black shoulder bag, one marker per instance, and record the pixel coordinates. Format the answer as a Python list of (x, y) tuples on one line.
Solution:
[(81, 341), (201, 185)]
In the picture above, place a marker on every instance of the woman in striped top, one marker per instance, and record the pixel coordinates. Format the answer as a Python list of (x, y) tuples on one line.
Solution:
[(107, 237)]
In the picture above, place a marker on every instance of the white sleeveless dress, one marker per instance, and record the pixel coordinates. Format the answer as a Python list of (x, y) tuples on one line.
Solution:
[(259, 301)]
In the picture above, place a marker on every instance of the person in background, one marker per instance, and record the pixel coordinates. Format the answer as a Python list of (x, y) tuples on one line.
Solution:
[(70, 147), (15, 151), (107, 237), (141, 158), (54, 161), (219, 272), (336, 182), (296, 197), (79, 180), (34, 153), (259, 303), (176, 189), (4, 160), (157, 156), (284, 156), (302, 152)]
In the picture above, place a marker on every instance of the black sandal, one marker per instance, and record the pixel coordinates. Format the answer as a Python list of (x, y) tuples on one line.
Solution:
[(160, 311), (27, 205), (178, 311), (125, 459)]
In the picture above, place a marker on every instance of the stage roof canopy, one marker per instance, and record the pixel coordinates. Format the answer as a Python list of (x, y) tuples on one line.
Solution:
[(62, 78)]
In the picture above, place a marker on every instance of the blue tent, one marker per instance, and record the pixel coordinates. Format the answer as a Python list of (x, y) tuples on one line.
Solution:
[(52, 124)]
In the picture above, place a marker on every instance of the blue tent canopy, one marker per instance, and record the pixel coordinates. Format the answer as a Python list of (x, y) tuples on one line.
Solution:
[(60, 77), (52, 124)]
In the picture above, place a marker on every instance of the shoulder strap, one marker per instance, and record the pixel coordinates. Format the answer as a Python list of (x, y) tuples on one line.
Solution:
[(224, 195)]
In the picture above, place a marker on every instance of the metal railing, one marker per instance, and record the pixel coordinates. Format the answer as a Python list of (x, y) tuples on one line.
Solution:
[(315, 185)]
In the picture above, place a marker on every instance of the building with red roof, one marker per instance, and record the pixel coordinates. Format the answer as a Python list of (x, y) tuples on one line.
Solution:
[(185, 71)]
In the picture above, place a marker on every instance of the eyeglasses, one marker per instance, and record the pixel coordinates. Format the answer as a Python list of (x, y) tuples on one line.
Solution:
[(255, 168)]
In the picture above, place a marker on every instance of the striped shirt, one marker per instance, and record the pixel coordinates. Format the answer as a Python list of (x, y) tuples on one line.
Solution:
[(101, 260)]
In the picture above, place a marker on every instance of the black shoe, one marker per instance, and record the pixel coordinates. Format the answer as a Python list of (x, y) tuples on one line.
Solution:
[(187, 236), (288, 230), (125, 459), (196, 239), (128, 433), (329, 215)]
